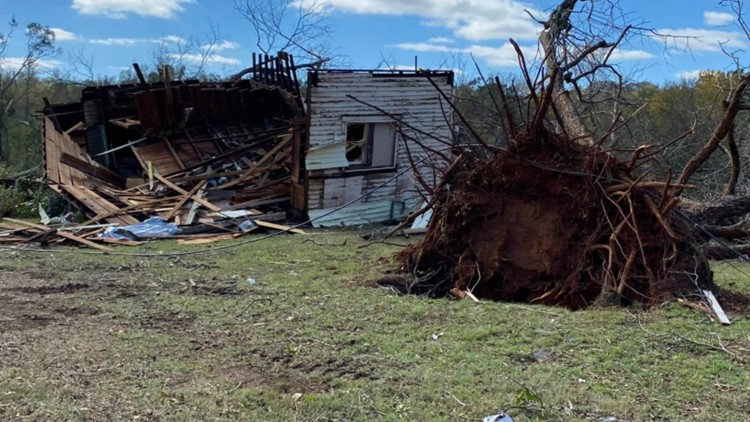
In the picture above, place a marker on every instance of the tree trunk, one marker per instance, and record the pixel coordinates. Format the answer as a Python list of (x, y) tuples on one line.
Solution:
[(715, 212), (718, 252), (561, 97)]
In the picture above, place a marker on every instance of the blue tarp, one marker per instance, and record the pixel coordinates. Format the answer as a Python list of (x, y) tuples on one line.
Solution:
[(154, 227)]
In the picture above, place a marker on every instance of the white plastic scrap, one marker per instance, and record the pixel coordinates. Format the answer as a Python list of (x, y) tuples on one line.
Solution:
[(500, 417)]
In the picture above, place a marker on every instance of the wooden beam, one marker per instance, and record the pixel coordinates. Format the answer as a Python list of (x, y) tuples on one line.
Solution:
[(196, 198), (76, 126), (100, 173), (83, 241), (27, 224), (183, 200), (281, 227), (194, 207), (249, 172), (123, 210)]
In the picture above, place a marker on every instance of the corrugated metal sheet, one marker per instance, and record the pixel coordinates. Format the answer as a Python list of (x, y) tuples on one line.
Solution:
[(327, 157), (353, 215)]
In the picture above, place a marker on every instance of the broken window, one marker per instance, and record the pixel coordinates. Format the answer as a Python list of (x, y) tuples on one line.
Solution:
[(370, 145)]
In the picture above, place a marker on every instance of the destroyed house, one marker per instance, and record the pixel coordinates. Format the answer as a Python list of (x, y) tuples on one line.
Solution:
[(216, 153)]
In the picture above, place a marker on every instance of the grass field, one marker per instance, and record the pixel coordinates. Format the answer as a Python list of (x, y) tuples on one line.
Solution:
[(95, 337)]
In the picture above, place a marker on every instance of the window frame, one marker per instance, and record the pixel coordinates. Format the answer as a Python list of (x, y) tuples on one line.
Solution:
[(369, 123)]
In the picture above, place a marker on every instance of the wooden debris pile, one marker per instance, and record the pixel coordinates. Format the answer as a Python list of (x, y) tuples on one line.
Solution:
[(205, 156), (20, 232)]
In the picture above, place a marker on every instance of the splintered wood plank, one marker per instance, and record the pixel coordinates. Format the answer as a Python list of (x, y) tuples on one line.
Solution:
[(201, 241), (185, 197), (75, 127), (83, 241), (194, 207), (121, 242), (98, 205), (100, 173), (270, 154), (182, 191), (280, 227), (27, 224)]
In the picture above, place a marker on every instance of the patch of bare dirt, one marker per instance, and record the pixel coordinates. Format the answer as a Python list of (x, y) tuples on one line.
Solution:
[(45, 290), (283, 382)]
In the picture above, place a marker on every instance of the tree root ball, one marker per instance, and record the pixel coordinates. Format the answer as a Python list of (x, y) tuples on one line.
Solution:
[(552, 222)]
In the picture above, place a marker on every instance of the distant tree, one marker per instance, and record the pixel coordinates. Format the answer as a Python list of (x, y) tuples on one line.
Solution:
[(16, 77), (297, 27)]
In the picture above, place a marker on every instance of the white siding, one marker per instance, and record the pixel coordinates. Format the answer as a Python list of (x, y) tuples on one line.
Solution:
[(411, 98)]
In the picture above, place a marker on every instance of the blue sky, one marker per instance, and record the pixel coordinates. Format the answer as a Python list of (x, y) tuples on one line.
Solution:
[(442, 33)]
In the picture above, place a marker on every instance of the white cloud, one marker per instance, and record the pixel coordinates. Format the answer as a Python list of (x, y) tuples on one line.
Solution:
[(717, 18), (63, 35), (133, 41), (224, 45), (209, 59), (426, 47), (468, 19), (688, 74), (13, 63), (623, 55), (701, 40), (505, 55), (118, 41), (170, 38), (441, 40), (120, 9)]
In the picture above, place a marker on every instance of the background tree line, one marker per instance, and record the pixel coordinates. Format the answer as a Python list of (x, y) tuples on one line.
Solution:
[(674, 119)]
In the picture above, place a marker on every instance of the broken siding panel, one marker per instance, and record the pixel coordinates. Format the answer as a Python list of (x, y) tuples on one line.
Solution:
[(385, 192), (356, 214), (340, 191), (315, 192), (327, 157)]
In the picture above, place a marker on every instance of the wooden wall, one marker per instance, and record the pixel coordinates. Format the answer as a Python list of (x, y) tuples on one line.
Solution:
[(409, 96)]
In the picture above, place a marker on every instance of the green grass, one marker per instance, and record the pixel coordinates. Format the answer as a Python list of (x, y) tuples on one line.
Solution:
[(189, 339)]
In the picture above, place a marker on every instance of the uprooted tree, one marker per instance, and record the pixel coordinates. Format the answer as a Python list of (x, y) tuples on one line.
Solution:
[(552, 216)]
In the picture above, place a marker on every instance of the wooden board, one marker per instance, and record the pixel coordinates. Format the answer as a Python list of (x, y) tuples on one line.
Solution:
[(98, 205), (281, 227)]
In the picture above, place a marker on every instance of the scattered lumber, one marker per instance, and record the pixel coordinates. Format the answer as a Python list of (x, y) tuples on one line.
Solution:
[(98, 236)]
